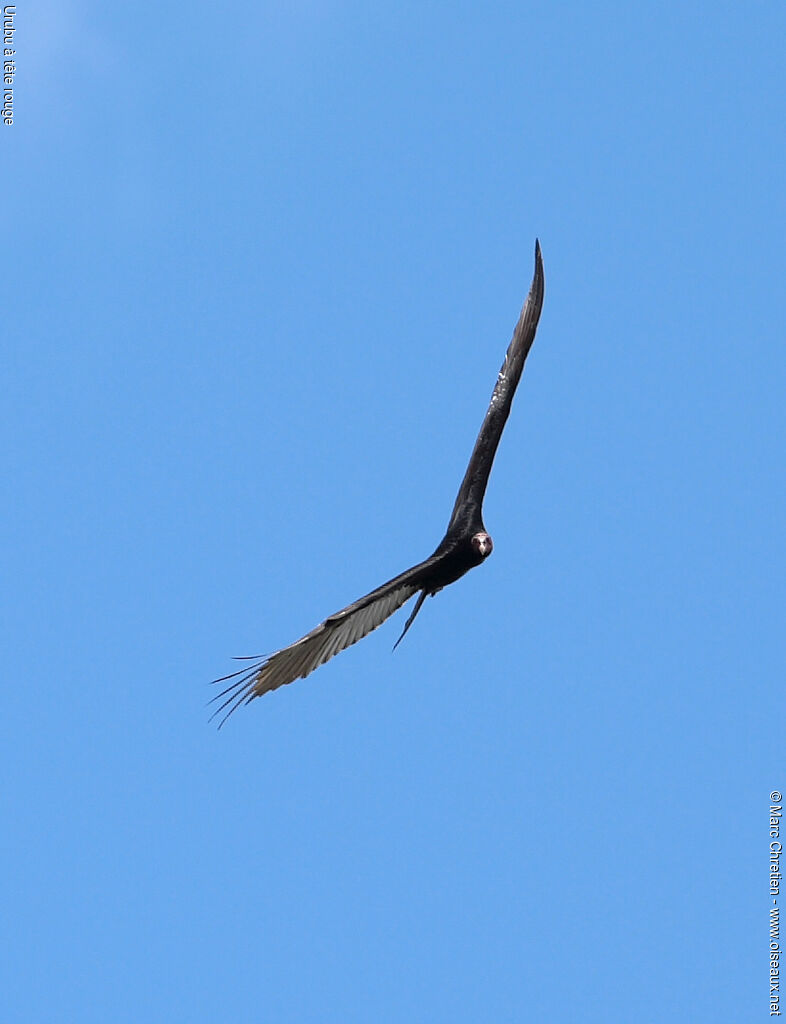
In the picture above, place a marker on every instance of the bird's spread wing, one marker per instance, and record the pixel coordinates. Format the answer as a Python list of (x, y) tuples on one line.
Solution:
[(473, 486), (336, 633)]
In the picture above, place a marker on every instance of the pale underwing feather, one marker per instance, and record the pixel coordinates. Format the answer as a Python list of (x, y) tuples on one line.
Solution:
[(335, 634)]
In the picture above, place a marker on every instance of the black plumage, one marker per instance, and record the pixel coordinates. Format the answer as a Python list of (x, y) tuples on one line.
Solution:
[(465, 544)]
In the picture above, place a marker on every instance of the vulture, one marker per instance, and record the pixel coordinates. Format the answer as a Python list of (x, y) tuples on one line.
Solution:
[(466, 544)]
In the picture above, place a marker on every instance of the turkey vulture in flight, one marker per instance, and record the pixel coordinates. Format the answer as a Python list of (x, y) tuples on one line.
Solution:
[(465, 544)]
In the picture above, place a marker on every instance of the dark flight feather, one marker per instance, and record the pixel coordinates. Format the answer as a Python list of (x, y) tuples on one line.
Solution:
[(473, 486)]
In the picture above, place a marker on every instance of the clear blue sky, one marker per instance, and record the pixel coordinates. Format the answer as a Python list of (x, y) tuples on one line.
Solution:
[(261, 264)]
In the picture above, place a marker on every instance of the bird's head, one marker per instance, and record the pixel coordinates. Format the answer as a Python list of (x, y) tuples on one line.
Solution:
[(482, 544)]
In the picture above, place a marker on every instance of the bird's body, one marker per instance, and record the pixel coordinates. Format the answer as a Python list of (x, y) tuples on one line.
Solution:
[(465, 545)]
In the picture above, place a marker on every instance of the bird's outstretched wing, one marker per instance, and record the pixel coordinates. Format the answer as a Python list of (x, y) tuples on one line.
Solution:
[(336, 633), (473, 486)]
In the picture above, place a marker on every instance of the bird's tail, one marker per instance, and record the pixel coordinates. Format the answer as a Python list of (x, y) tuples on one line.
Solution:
[(411, 619)]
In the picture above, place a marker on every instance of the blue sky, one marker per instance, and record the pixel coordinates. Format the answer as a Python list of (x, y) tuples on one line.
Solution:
[(261, 264)]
